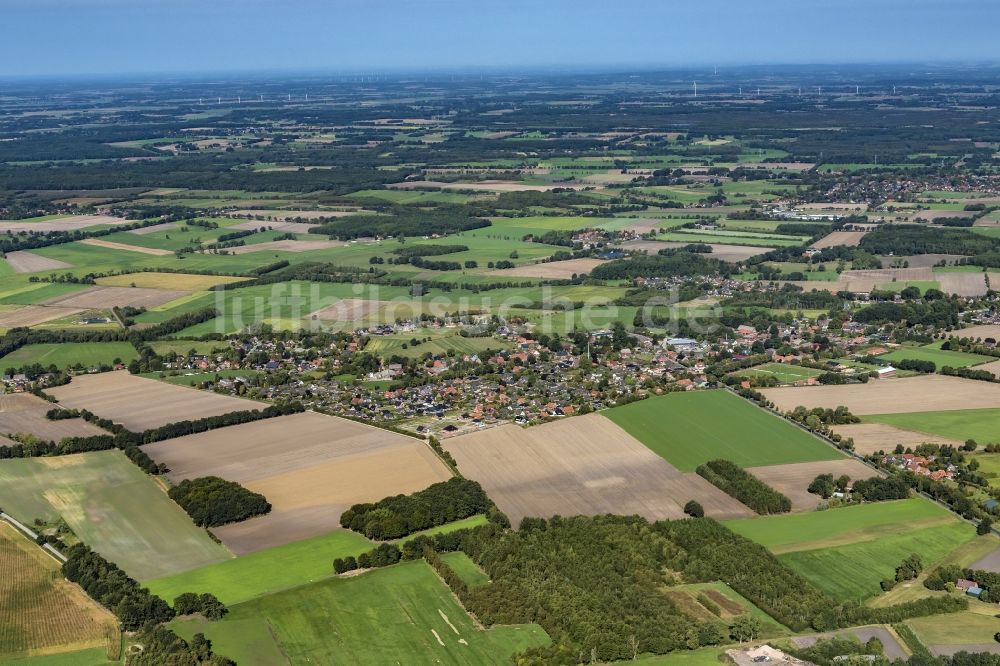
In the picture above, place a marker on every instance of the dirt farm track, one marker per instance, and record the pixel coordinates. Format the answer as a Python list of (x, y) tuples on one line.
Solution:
[(582, 465)]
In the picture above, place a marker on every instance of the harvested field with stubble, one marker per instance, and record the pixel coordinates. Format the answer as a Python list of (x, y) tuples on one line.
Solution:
[(166, 226), (348, 309), (793, 480), (873, 437), (41, 613), (720, 251), (139, 403), (286, 246), (32, 315), (834, 238), (581, 465), (309, 466), (106, 298), (111, 245), (294, 227), (926, 393), (68, 223), (982, 331), (183, 282), (29, 262), (962, 283), (291, 214), (557, 270), (24, 412)]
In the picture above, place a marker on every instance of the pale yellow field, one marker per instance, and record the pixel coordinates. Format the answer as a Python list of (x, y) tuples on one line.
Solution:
[(176, 281)]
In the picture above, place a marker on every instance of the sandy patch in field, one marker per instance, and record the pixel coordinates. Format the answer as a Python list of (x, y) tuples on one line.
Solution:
[(68, 223), (286, 246), (553, 269), (32, 315), (583, 465), (29, 262), (139, 403), (108, 297), (166, 226), (926, 393), (294, 227), (834, 238), (873, 437), (111, 245), (23, 412), (793, 479), (278, 215), (310, 466)]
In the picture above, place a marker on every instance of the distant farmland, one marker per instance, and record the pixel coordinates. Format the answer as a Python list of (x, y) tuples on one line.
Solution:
[(691, 428), (927, 393), (139, 403), (40, 612)]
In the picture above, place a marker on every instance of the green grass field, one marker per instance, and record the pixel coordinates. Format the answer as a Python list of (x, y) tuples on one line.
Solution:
[(282, 567), (803, 531), (688, 429), (965, 628), (67, 354), (112, 506), (265, 571), (982, 425), (847, 551), (467, 570), (90, 657), (401, 614), (787, 374), (940, 357), (854, 571)]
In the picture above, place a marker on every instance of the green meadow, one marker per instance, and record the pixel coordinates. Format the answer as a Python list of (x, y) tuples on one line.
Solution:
[(982, 425), (400, 614), (68, 354), (690, 428)]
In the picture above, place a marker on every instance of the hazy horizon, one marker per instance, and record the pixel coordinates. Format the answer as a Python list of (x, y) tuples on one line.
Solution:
[(89, 37)]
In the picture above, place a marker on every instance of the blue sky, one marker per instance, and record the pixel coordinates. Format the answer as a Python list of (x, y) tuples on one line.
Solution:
[(52, 37)]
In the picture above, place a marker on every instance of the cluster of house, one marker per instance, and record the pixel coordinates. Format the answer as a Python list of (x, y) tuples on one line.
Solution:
[(921, 465), (969, 587)]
